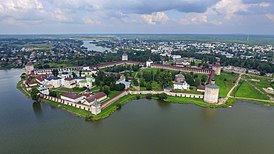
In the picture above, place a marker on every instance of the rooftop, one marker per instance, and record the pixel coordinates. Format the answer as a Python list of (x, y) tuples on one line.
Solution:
[(214, 86), (71, 95)]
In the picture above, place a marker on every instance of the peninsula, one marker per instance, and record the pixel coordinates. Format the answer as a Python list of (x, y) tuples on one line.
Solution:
[(95, 92)]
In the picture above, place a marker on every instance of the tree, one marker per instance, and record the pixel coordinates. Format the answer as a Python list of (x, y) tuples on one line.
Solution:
[(74, 75), (53, 94), (148, 96), (34, 92), (197, 82), (162, 96), (106, 89), (204, 78), (148, 86), (142, 82), (80, 73), (135, 82), (55, 72)]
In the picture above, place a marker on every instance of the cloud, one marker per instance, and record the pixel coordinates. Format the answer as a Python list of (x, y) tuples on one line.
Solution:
[(194, 19), (151, 6), (90, 21), (158, 17), (270, 17)]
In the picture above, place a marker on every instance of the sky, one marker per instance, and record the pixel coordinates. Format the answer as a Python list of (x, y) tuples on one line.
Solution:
[(137, 16)]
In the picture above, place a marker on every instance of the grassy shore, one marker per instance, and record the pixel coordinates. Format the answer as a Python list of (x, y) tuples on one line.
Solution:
[(78, 112), (246, 90), (22, 88), (225, 81)]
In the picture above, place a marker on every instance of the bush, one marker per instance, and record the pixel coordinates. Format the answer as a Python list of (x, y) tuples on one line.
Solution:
[(162, 96), (119, 106), (138, 97), (53, 94), (148, 96)]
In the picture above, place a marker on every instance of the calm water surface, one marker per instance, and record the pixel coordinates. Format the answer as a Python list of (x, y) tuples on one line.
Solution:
[(141, 126), (93, 47)]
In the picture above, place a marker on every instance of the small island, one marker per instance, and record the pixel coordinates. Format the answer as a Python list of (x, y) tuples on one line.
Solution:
[(95, 92)]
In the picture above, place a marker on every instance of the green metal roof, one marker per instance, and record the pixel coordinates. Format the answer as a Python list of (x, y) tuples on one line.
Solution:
[(214, 86)]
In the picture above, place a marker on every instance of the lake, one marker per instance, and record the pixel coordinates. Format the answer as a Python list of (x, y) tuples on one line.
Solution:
[(93, 47), (141, 126)]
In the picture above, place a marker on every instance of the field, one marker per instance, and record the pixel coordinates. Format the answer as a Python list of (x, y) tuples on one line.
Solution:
[(42, 46), (225, 81), (260, 82), (248, 91)]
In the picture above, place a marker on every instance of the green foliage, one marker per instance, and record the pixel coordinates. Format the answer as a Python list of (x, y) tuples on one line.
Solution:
[(225, 85), (248, 91), (148, 86), (55, 72), (53, 94), (149, 96), (34, 92), (135, 82), (106, 89), (162, 96)]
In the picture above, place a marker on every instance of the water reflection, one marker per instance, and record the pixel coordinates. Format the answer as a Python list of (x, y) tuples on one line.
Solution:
[(163, 104), (208, 114), (37, 109)]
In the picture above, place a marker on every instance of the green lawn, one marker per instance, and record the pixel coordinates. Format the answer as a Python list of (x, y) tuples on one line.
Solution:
[(225, 86), (95, 89), (196, 101), (112, 108), (79, 112), (73, 90), (246, 90), (193, 90), (113, 94), (264, 82)]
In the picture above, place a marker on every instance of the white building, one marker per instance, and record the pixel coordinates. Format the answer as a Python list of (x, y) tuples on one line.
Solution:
[(124, 82), (175, 57), (95, 108), (149, 63), (124, 57), (43, 90), (69, 83), (181, 86), (54, 81)]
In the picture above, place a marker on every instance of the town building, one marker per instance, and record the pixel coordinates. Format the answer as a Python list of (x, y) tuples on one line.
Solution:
[(87, 82), (95, 108), (217, 69), (179, 78), (43, 90), (124, 82), (29, 68), (55, 82), (124, 57), (94, 98), (211, 94), (72, 97), (149, 63), (201, 88), (181, 86), (69, 83)]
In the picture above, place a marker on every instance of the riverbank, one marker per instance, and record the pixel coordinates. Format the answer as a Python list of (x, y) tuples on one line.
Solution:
[(125, 99)]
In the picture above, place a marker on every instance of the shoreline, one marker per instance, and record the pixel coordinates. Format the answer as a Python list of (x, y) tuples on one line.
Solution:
[(127, 98)]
